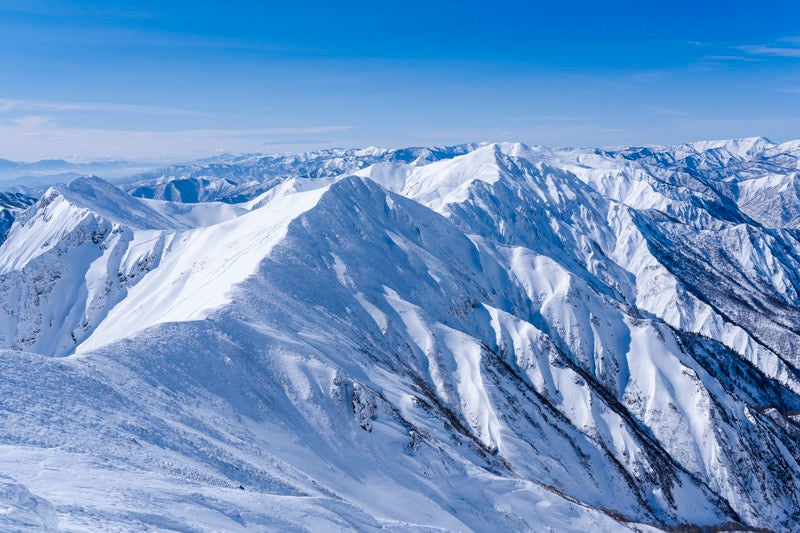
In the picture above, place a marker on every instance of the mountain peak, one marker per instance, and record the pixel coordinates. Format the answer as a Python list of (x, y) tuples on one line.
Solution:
[(108, 201), (740, 148), (516, 337)]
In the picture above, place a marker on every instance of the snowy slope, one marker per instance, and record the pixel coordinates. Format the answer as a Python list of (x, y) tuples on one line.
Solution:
[(256, 393), (480, 338)]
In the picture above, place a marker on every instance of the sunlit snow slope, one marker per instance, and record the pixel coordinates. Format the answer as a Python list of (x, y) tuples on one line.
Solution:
[(490, 337)]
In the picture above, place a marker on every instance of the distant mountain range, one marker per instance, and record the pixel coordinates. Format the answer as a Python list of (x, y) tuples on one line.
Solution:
[(36, 176), (487, 337)]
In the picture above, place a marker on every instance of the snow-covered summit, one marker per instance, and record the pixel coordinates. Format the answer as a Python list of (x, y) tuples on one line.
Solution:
[(469, 338)]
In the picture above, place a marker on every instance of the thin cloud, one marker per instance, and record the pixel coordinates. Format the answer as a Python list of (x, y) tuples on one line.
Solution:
[(546, 118), (110, 34), (256, 132), (785, 47), (51, 10), (13, 105), (730, 57), (666, 111), (31, 122), (301, 141), (44, 127), (34, 137), (771, 51)]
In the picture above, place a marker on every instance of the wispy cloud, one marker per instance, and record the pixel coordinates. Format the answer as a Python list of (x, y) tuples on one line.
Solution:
[(31, 122), (37, 137), (300, 141), (669, 112), (785, 47), (14, 105), (772, 51), (45, 127), (731, 57), (544, 118), (75, 32), (255, 132), (55, 10)]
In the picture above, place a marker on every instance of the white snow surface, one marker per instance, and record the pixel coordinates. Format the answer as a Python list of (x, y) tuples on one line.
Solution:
[(489, 337)]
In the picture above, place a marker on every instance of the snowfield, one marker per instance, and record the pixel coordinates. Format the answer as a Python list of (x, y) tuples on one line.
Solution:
[(488, 337)]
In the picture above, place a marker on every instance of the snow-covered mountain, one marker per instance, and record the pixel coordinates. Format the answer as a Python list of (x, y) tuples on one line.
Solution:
[(489, 337), (35, 174), (233, 179)]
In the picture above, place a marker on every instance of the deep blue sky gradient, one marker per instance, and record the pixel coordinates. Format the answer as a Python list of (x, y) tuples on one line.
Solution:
[(177, 79)]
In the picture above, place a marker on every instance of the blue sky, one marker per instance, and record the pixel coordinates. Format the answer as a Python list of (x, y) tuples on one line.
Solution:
[(171, 80)]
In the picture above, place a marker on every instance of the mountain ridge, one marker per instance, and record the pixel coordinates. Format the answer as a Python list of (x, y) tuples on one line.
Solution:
[(505, 333)]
